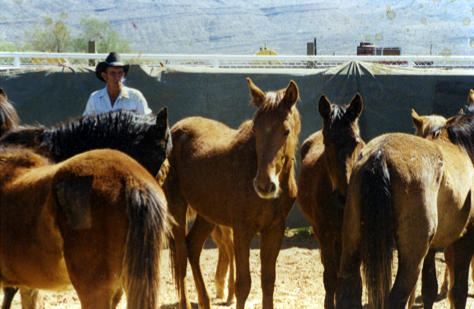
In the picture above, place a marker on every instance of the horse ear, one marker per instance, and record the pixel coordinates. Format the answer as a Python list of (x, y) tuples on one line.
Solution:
[(291, 94), (470, 98), (3, 93), (257, 95), (417, 121), (355, 107), (324, 107), (162, 118)]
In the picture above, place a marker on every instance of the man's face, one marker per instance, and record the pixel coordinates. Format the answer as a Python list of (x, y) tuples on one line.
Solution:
[(113, 76)]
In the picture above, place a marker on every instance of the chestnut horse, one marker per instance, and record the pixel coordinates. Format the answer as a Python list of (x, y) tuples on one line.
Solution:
[(97, 221), (243, 179), (414, 193), (144, 138), (223, 237), (327, 157)]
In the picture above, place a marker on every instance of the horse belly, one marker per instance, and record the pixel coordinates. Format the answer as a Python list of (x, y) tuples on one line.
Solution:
[(35, 272)]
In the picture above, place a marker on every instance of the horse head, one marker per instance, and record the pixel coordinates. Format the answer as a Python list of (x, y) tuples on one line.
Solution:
[(154, 145), (427, 125), (8, 117), (276, 126), (342, 140)]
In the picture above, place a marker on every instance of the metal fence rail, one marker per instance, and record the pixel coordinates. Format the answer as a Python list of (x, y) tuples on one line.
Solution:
[(12, 60)]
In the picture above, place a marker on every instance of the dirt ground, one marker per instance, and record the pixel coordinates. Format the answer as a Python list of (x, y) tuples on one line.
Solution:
[(299, 281)]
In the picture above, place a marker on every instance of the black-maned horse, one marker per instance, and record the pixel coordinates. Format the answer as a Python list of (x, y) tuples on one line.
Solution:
[(144, 138)]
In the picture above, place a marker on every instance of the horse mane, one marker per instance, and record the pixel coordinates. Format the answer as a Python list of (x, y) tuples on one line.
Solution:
[(460, 129), (26, 136), (9, 119), (116, 130)]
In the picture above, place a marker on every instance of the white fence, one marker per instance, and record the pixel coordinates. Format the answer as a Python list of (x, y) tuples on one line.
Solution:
[(13, 60)]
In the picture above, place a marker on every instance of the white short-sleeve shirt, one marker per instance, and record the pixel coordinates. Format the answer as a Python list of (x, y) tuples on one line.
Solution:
[(129, 99)]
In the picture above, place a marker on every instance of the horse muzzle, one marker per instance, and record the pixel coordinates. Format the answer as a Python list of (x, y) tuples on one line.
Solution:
[(266, 190)]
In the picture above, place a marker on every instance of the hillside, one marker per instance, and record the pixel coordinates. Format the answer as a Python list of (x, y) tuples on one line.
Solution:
[(242, 27)]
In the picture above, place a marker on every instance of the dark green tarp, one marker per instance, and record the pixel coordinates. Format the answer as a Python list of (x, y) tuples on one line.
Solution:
[(52, 95)]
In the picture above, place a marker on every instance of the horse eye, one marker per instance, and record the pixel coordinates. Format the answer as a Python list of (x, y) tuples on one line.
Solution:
[(287, 132)]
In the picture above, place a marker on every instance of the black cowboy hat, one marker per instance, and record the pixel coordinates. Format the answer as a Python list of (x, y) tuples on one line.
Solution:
[(113, 59)]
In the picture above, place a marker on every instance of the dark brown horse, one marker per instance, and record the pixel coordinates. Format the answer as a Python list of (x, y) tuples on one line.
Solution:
[(327, 158), (97, 221), (243, 179), (413, 193)]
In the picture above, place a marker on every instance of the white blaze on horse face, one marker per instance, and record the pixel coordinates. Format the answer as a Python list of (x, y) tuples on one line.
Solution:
[(269, 153)]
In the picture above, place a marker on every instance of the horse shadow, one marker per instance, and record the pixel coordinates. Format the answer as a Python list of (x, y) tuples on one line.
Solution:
[(304, 241)]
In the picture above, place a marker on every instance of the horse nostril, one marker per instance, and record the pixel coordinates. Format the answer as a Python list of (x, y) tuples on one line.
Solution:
[(272, 188)]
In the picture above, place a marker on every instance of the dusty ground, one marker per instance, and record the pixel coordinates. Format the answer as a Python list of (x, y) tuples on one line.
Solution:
[(298, 284)]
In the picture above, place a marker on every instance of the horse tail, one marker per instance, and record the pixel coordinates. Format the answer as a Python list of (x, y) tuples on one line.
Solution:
[(377, 231), (148, 230)]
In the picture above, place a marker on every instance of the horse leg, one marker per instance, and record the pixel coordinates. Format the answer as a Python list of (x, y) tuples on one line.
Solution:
[(8, 295), (222, 263), (31, 298), (222, 235), (411, 255), (429, 285), (117, 297), (330, 259), (229, 247), (199, 232), (270, 245), (463, 250), (448, 273), (349, 285), (177, 207), (242, 239)]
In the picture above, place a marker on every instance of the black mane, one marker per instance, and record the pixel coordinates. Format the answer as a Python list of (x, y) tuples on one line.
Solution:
[(460, 130), (116, 130), (137, 135)]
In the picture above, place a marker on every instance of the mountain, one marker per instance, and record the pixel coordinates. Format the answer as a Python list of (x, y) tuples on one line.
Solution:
[(244, 26)]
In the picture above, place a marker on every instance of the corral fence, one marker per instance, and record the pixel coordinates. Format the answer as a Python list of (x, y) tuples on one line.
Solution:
[(13, 60)]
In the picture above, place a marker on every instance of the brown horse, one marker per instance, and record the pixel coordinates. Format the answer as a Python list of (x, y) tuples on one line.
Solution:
[(243, 179), (414, 193), (146, 139), (327, 157), (97, 221)]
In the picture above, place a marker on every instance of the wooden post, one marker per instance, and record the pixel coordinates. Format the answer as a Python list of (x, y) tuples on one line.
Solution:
[(92, 50), (310, 52)]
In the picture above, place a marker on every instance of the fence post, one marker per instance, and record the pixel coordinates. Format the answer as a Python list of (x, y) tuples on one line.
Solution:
[(216, 63), (92, 50), (16, 61)]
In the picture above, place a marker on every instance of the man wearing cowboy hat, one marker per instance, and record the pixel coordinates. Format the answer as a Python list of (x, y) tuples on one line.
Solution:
[(115, 95)]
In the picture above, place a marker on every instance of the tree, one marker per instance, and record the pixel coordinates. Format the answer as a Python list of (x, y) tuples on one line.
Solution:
[(107, 38), (52, 37), (8, 47)]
